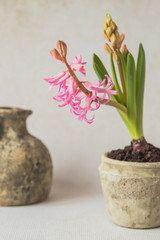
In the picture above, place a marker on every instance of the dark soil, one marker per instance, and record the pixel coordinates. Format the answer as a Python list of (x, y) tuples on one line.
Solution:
[(149, 154)]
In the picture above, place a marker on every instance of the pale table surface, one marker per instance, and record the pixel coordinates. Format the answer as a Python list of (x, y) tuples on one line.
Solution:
[(68, 214)]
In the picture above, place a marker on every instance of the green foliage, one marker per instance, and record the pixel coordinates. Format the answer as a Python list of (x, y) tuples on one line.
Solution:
[(133, 80), (131, 89), (101, 71), (140, 84), (124, 65), (99, 68)]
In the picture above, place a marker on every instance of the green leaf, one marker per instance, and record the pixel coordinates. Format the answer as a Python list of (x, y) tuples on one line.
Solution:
[(125, 56), (124, 65), (101, 71), (99, 68), (140, 84), (120, 97), (131, 89)]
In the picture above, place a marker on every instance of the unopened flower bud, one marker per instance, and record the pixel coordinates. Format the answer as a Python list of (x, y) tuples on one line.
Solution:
[(113, 40), (124, 50), (105, 35), (104, 26), (55, 54), (114, 27), (62, 48), (107, 48), (108, 19), (109, 31), (121, 38), (117, 36)]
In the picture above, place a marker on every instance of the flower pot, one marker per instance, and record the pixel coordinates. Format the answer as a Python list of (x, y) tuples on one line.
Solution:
[(132, 192), (25, 163)]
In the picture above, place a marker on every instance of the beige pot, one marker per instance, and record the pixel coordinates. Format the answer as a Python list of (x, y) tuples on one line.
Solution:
[(132, 192), (25, 163)]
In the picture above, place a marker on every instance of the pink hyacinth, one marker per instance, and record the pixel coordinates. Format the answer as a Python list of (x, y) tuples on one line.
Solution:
[(77, 65), (71, 94), (107, 90)]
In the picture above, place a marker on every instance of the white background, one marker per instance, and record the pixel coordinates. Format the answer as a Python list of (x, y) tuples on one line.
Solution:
[(29, 30)]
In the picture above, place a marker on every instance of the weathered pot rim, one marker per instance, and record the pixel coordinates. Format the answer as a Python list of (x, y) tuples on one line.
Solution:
[(6, 109), (111, 161)]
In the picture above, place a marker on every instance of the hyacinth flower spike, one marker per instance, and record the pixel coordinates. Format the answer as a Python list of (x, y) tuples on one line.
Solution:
[(130, 89), (73, 92)]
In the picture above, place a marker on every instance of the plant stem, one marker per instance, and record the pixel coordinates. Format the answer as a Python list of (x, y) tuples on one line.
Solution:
[(79, 84), (120, 96), (89, 93), (122, 79), (116, 105)]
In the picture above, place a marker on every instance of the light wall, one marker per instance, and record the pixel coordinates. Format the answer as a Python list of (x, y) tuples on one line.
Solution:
[(29, 30)]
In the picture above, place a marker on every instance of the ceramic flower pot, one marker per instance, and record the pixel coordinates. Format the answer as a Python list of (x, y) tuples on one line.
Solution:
[(25, 163), (132, 192)]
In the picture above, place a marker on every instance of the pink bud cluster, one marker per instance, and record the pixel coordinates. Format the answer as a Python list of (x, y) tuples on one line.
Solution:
[(70, 93)]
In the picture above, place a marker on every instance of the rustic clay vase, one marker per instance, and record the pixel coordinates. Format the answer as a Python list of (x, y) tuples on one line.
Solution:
[(132, 192), (25, 163)]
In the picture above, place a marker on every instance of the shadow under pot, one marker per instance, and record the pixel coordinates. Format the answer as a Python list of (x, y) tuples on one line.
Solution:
[(25, 163)]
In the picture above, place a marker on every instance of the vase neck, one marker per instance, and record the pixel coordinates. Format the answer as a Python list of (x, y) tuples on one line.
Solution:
[(13, 121)]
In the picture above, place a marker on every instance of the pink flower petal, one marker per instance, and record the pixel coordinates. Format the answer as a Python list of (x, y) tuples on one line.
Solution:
[(70, 94)]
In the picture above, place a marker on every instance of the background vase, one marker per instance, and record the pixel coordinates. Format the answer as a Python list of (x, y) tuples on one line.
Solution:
[(25, 163)]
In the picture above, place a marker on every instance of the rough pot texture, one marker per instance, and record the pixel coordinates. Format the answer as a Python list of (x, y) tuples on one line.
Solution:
[(132, 192), (25, 163)]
